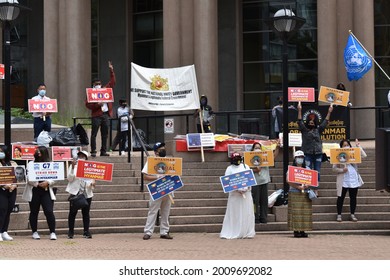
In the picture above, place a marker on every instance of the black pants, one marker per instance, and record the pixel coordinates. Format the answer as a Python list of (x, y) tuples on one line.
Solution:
[(123, 138), (352, 199), (7, 203), (40, 125), (260, 200), (84, 212), (41, 197), (206, 128), (101, 122)]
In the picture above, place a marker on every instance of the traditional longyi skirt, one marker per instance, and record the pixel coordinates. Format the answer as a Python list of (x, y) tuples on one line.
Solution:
[(300, 213)]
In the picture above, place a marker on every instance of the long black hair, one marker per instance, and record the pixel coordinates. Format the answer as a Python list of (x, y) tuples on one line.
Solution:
[(7, 160), (44, 154), (345, 140)]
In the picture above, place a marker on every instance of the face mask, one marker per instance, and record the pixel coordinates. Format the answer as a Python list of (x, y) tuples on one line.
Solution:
[(257, 149), (299, 161), (36, 156), (42, 92), (2, 155), (203, 102), (98, 86), (162, 153)]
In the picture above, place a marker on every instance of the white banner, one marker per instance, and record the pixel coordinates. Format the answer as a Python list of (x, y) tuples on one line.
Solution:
[(170, 89), (42, 171)]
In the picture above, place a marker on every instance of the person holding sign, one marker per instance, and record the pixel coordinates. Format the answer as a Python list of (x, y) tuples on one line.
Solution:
[(40, 193), (42, 120), (7, 196), (207, 115), (311, 138), (163, 204), (76, 185), (101, 112), (299, 204), (239, 220), (260, 191), (348, 180)]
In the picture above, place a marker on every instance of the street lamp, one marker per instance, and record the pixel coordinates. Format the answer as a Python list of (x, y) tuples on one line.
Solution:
[(9, 11), (285, 24)]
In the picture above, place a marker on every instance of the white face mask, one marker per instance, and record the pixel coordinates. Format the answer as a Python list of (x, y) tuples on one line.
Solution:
[(257, 149), (2, 155), (98, 86), (299, 161), (42, 92)]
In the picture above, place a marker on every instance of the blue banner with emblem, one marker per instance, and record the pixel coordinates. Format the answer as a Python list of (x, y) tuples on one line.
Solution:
[(236, 181), (356, 60), (164, 186)]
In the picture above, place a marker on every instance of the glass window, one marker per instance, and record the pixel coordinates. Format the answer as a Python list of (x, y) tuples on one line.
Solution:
[(262, 51), (95, 38)]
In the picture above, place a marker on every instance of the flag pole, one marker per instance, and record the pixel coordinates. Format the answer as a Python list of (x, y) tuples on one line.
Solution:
[(377, 64), (202, 130)]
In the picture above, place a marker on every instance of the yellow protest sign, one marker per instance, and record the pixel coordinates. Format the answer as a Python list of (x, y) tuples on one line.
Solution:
[(165, 166), (332, 95), (259, 158), (345, 155)]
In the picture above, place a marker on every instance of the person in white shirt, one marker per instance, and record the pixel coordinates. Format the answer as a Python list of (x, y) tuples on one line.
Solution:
[(42, 120), (76, 185)]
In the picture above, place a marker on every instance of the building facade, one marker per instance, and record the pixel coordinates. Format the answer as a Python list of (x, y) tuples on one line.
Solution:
[(67, 43)]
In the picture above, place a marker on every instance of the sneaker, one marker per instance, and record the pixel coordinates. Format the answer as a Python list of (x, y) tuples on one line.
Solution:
[(166, 236), (36, 236), (1, 238), (146, 237), (6, 237), (353, 218), (339, 219), (70, 234), (53, 236), (104, 155), (87, 235)]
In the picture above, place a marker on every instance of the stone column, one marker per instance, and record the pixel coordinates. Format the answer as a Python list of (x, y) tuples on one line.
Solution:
[(67, 48), (172, 33)]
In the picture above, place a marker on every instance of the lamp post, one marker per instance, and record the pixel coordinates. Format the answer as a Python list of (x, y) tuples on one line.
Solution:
[(285, 24), (9, 11)]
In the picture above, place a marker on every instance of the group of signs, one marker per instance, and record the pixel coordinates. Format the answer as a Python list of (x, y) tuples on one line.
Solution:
[(54, 170), (326, 94)]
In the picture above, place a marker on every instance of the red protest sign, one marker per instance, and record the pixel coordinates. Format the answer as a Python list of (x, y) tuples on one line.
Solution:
[(296, 94), (95, 95), (2, 71), (302, 176), (94, 170), (23, 152), (42, 105), (64, 153)]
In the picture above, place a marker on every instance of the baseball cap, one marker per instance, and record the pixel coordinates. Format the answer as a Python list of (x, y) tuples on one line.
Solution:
[(158, 145), (235, 155), (299, 154), (84, 153)]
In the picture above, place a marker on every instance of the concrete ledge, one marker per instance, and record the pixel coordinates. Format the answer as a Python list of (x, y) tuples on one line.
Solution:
[(280, 212)]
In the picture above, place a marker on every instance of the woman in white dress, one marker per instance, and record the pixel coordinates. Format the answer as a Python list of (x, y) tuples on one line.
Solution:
[(239, 220)]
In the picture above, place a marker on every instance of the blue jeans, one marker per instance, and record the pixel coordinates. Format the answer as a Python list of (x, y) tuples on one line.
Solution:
[(314, 163)]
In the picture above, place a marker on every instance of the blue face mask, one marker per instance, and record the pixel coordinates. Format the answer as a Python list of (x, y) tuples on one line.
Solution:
[(2, 155), (42, 92)]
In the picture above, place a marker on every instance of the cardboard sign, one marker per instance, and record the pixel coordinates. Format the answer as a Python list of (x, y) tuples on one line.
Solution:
[(259, 158), (96, 95), (23, 152), (164, 186), (237, 181), (296, 94), (42, 106), (302, 176), (335, 96), (42, 171), (164, 166), (12, 175), (197, 140), (295, 139), (327, 146), (345, 155), (64, 153), (99, 171), (238, 148), (2, 71)]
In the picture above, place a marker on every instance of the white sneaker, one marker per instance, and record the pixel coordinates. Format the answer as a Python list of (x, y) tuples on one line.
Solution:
[(6, 237), (1, 238), (53, 236), (339, 219), (36, 236), (353, 218)]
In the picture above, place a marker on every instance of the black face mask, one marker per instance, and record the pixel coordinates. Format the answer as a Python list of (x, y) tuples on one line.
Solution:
[(162, 153), (311, 126), (36, 157)]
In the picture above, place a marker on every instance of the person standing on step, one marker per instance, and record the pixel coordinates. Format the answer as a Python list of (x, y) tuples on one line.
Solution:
[(300, 213), (7, 196), (311, 138), (40, 193), (207, 115), (124, 113), (101, 112), (239, 220), (76, 185), (260, 191), (163, 204), (348, 180), (42, 121)]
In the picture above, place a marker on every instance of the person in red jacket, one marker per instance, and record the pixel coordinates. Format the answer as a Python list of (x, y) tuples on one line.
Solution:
[(101, 112)]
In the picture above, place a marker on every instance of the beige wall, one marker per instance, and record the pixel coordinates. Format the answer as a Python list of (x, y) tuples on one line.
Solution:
[(335, 19)]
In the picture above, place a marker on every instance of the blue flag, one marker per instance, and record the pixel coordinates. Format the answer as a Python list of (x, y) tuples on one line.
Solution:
[(357, 62)]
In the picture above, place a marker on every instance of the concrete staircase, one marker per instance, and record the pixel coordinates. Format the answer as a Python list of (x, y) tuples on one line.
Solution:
[(119, 206)]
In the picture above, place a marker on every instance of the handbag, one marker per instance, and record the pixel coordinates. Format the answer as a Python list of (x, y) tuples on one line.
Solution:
[(312, 194), (78, 201)]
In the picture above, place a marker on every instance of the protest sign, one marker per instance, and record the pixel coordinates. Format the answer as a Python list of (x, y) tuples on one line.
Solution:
[(237, 181), (96, 95), (64, 153), (12, 175), (259, 158), (42, 105), (23, 152), (345, 155), (302, 176), (100, 171), (335, 96), (197, 140), (164, 166), (42, 171), (296, 94), (164, 186)]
